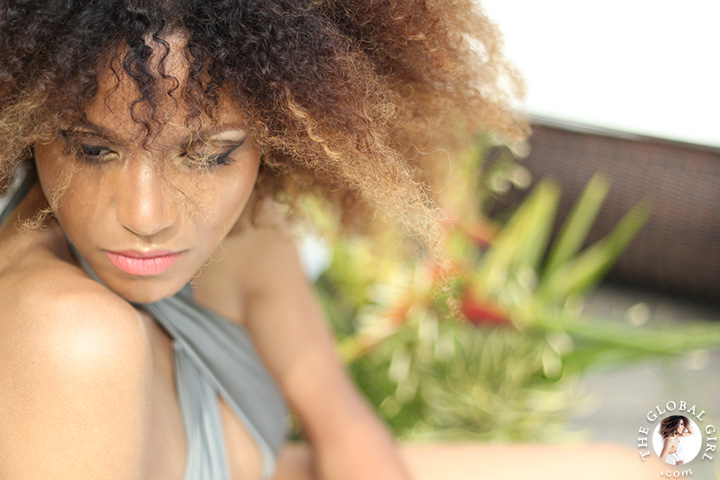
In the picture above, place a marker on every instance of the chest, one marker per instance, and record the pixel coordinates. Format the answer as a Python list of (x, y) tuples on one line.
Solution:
[(168, 451)]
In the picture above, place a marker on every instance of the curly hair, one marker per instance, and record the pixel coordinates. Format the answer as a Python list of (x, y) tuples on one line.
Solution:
[(669, 425), (358, 102)]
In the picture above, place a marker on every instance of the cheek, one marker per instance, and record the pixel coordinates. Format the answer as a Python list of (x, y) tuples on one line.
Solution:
[(231, 197), (52, 171), (67, 188)]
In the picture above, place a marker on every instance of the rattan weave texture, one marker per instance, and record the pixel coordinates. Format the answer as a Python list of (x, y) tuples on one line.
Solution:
[(679, 248)]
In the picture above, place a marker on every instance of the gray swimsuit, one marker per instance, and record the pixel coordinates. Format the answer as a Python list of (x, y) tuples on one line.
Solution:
[(213, 357)]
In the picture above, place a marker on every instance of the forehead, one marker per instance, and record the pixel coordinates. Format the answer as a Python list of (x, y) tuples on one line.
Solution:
[(150, 103)]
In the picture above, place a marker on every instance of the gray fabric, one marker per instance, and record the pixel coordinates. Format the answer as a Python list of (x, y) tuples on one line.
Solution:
[(203, 430), (226, 359), (212, 357)]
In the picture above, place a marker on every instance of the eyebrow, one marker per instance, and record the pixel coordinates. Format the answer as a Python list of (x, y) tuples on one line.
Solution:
[(108, 135)]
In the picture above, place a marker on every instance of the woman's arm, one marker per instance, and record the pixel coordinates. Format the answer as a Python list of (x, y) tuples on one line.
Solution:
[(479, 461), (348, 441)]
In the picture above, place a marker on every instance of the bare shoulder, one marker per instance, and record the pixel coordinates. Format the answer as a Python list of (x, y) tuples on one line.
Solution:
[(261, 228), (76, 380), (260, 254), (54, 305), (265, 245)]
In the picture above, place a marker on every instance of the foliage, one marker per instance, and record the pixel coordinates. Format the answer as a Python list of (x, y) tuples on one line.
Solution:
[(491, 347)]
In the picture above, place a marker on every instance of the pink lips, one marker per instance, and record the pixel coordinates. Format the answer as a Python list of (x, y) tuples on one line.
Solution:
[(143, 263)]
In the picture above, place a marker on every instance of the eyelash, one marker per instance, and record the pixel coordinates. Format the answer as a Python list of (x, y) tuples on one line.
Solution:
[(92, 153), (213, 161)]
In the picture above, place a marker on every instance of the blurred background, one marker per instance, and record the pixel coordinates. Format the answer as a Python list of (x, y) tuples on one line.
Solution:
[(630, 88), (642, 66), (587, 262)]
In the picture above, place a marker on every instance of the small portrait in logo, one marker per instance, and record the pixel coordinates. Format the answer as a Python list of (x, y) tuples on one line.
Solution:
[(677, 440)]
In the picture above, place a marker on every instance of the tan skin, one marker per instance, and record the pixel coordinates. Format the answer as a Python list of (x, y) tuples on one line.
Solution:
[(671, 443), (87, 386)]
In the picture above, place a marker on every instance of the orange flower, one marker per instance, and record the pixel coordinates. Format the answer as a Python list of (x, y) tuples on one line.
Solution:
[(479, 312)]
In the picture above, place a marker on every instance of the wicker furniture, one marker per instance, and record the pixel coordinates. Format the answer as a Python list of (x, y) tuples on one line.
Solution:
[(679, 248)]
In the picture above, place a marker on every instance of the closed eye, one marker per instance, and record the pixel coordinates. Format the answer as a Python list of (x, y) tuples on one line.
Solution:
[(87, 152), (93, 151), (211, 161), (198, 160)]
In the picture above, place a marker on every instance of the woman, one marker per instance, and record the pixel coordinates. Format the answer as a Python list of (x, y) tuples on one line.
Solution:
[(154, 139), (672, 429)]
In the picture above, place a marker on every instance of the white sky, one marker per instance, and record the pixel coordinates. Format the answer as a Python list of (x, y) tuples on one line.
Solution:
[(643, 66)]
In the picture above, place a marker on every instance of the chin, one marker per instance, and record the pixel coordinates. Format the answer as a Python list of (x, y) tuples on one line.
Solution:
[(147, 290)]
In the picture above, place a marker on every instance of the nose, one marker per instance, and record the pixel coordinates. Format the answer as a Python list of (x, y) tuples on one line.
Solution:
[(146, 202)]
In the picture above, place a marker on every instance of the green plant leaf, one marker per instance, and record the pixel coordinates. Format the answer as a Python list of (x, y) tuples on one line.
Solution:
[(577, 226), (538, 226), (602, 344), (523, 240), (589, 267)]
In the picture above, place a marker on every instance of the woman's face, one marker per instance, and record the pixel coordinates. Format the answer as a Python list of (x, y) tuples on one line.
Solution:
[(681, 426), (147, 218)]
